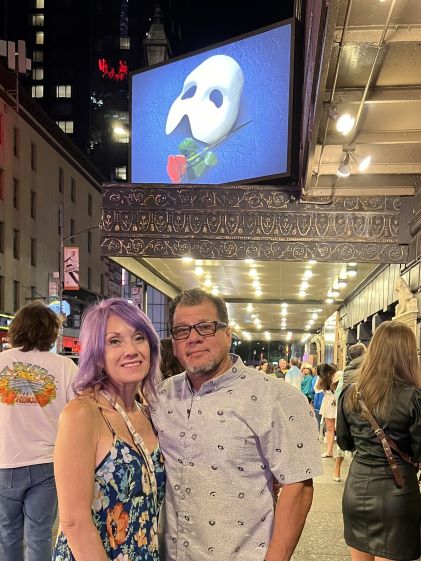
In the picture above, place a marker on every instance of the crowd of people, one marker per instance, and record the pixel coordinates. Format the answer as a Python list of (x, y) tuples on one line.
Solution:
[(158, 450)]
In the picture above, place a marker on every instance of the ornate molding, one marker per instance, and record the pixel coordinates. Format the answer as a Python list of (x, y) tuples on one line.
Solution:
[(252, 221)]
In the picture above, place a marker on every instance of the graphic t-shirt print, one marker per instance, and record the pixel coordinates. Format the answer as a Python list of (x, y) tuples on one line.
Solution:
[(26, 383)]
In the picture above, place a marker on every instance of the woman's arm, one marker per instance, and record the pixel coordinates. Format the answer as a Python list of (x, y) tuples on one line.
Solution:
[(74, 467), (343, 432)]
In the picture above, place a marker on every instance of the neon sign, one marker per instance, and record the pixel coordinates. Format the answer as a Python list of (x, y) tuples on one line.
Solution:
[(110, 72)]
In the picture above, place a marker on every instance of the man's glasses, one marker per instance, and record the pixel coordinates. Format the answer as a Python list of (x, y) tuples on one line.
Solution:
[(203, 328)]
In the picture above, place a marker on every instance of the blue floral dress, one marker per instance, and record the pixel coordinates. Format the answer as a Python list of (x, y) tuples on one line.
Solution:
[(124, 508)]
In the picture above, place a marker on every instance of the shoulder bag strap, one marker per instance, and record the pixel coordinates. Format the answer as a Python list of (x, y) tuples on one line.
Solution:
[(399, 481)]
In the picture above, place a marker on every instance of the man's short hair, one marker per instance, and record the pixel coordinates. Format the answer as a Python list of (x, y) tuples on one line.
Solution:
[(294, 361), (35, 326), (195, 297), (356, 350)]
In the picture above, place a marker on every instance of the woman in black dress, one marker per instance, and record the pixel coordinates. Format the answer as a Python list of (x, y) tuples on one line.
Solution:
[(380, 520)]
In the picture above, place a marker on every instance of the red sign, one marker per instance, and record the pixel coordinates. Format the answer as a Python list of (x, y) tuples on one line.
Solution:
[(110, 72)]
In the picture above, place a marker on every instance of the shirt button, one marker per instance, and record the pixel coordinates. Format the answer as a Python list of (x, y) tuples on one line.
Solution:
[(182, 496), (185, 462), (197, 398)]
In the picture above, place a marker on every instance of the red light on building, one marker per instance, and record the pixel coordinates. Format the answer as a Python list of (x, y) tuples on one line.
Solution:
[(110, 72)]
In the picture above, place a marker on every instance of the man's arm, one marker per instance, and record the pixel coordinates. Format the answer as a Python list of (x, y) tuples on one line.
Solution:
[(292, 507)]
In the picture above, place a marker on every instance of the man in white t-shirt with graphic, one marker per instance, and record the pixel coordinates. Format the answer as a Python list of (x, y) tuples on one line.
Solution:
[(35, 385)]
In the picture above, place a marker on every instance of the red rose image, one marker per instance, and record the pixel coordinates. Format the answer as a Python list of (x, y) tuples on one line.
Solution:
[(176, 167)]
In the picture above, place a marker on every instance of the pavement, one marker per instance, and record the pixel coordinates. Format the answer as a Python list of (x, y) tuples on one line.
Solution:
[(322, 538)]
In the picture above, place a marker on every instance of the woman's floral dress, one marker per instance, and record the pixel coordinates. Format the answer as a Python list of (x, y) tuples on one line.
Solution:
[(124, 509)]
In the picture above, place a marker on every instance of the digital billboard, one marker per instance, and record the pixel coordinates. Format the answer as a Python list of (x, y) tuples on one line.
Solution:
[(223, 115)]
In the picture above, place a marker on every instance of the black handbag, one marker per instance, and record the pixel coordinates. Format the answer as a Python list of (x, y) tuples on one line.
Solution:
[(388, 444)]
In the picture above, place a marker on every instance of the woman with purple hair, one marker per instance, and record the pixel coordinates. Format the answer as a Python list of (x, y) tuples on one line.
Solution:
[(108, 465)]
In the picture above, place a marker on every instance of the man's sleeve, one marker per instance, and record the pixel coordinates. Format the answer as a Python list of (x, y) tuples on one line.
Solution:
[(289, 440)]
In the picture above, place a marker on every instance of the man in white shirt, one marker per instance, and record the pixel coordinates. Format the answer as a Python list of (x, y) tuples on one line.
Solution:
[(35, 385), (294, 375)]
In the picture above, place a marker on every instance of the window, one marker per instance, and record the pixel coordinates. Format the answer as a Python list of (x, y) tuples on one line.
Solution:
[(37, 74), (1, 237), (125, 43), (38, 56), (89, 242), (38, 19), (89, 278), (39, 38), (15, 142), (15, 193), (59, 222), (33, 156), (34, 293), (37, 91), (64, 91), (72, 190), (89, 204), (39, 4), (16, 295), (102, 285), (1, 185), (121, 173), (33, 205), (66, 126), (16, 244), (60, 180), (33, 252), (121, 136), (72, 230)]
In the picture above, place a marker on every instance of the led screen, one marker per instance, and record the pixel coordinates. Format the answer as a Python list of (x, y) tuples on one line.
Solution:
[(218, 116)]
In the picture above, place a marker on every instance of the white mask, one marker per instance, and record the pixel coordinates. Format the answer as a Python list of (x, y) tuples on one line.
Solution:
[(221, 76)]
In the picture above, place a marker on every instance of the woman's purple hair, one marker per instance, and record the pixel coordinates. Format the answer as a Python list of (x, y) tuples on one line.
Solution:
[(92, 343)]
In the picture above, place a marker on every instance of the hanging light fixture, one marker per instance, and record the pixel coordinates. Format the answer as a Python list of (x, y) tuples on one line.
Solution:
[(344, 170), (344, 123)]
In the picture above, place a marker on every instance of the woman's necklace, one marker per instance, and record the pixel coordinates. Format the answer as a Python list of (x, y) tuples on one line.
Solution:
[(138, 441)]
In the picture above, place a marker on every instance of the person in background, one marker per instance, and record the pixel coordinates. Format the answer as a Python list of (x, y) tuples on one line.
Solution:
[(222, 454), (382, 520), (294, 374), (283, 368), (307, 381), (325, 382), (169, 365), (108, 464), (356, 355), (35, 385), (263, 365)]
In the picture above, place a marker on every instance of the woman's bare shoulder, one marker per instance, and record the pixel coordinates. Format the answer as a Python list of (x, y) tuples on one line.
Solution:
[(81, 409)]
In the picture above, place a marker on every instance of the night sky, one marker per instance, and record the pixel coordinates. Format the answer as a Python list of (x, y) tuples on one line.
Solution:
[(204, 23)]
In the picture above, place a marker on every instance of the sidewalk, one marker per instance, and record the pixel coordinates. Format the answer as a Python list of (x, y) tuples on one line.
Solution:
[(322, 538)]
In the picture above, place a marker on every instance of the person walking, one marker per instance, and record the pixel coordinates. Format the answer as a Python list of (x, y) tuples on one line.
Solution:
[(382, 501), (222, 455), (326, 381), (35, 385)]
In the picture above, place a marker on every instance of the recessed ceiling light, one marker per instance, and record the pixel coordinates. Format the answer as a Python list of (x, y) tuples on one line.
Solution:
[(352, 264), (302, 293), (312, 262), (199, 271), (258, 293), (304, 285), (249, 307), (215, 290), (248, 261), (284, 312), (314, 316), (308, 274), (253, 273), (342, 284), (329, 300), (255, 284), (187, 259), (208, 282), (284, 305), (352, 273)]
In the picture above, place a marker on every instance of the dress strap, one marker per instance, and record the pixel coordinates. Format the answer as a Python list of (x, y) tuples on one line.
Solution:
[(107, 422), (137, 439)]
